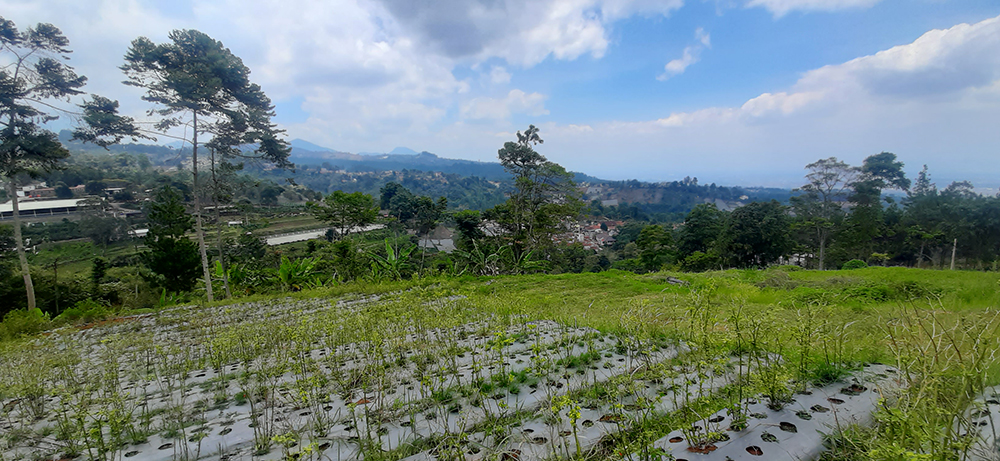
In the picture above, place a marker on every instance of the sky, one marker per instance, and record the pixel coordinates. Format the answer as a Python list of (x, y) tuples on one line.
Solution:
[(735, 92)]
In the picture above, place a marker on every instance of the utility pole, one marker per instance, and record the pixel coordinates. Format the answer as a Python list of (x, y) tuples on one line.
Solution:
[(954, 246)]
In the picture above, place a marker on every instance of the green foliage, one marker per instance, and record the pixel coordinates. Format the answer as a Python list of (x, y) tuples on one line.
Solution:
[(701, 229), (854, 264), (756, 235), (293, 274), (18, 323), (394, 265), (196, 75), (85, 311), (544, 195), (171, 256), (701, 262), (345, 212), (655, 246), (467, 226)]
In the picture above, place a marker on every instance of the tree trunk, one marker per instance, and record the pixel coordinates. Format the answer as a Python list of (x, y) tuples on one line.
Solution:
[(423, 251), (218, 229), (822, 250), (920, 257), (25, 269), (197, 212), (954, 247)]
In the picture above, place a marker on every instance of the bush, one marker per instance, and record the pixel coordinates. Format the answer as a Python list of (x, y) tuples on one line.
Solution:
[(870, 293), (19, 322), (786, 268), (86, 311), (854, 264), (631, 265), (701, 262), (913, 290)]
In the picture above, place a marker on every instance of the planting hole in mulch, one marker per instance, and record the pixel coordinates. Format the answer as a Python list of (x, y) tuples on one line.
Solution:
[(676, 439), (565, 433), (788, 427), (588, 423), (758, 415), (819, 409), (755, 450), (706, 448), (835, 401), (853, 389), (716, 419), (512, 455), (769, 437), (226, 431), (165, 446), (611, 418), (803, 414), (539, 440), (131, 454)]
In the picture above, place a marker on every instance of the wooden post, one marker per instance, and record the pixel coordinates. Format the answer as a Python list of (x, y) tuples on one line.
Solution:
[(954, 246)]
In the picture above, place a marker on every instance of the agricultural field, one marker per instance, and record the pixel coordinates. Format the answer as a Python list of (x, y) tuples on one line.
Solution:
[(876, 363)]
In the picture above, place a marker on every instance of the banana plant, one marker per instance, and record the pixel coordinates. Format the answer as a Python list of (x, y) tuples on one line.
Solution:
[(392, 265), (479, 262), (293, 273)]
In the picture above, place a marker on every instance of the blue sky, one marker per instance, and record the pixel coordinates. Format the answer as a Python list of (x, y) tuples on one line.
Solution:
[(731, 91)]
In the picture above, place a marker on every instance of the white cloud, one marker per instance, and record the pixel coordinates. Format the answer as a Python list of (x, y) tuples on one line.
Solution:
[(361, 71), (780, 8), (691, 55), (703, 37), (499, 75), (516, 102), (522, 32), (934, 101), (679, 65)]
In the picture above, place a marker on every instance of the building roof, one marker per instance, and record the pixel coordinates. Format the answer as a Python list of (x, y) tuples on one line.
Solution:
[(29, 205)]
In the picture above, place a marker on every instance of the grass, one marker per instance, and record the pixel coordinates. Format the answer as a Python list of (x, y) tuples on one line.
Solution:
[(823, 324)]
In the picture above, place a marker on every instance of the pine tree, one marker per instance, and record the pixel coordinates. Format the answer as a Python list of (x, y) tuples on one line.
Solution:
[(195, 81), (33, 82), (172, 256)]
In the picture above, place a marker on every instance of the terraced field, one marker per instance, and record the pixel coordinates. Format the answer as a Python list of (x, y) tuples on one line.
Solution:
[(652, 368)]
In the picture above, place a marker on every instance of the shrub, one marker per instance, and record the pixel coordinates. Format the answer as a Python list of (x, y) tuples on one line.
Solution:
[(786, 268), (913, 290), (854, 264), (631, 265), (18, 323), (701, 262), (86, 311), (870, 293)]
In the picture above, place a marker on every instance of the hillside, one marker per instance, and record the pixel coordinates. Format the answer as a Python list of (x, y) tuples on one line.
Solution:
[(466, 183)]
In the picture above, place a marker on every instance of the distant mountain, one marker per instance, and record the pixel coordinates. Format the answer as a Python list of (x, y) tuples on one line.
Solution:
[(396, 151), (306, 145), (402, 151)]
